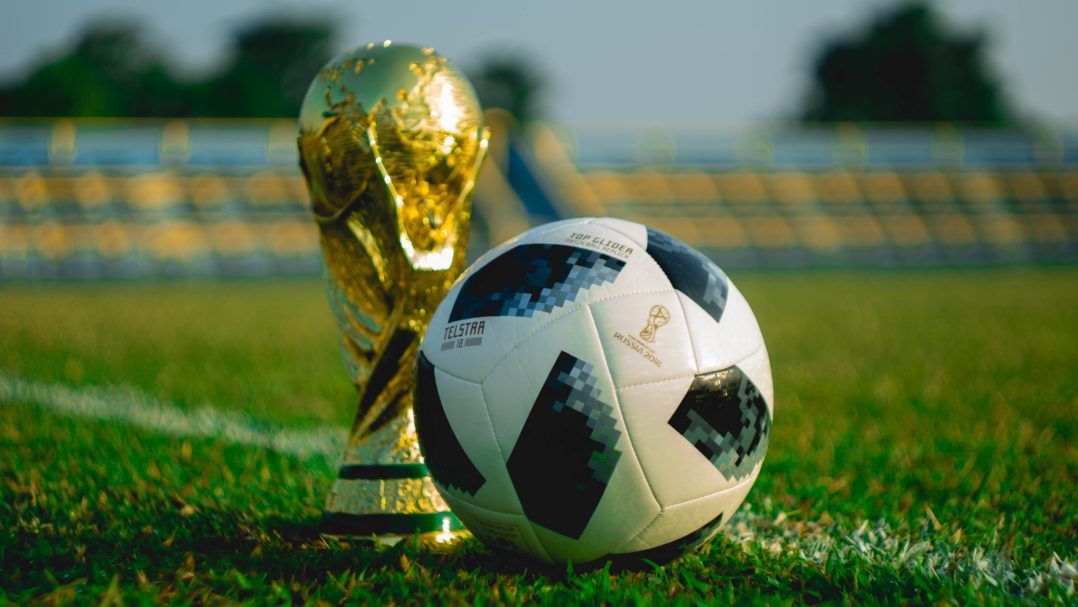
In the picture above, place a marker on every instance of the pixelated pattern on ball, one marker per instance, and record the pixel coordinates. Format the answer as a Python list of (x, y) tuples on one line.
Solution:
[(566, 453), (444, 455), (690, 272), (724, 416), (532, 278)]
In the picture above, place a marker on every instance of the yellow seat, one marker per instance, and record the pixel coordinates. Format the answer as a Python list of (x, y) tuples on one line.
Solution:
[(694, 187), (154, 191), (929, 188), (793, 190), (180, 241), (837, 188), (979, 190), (741, 188), (883, 189)]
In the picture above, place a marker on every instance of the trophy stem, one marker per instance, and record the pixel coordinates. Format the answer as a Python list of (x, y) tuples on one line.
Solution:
[(383, 489)]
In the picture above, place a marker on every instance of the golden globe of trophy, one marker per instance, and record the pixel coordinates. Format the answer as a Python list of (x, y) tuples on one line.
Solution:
[(391, 140)]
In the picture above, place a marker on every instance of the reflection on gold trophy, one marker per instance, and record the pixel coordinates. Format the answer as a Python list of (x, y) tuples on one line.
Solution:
[(391, 141)]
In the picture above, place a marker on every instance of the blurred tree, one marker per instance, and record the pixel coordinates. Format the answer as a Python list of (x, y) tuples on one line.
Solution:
[(113, 71), (272, 65), (509, 82), (906, 66)]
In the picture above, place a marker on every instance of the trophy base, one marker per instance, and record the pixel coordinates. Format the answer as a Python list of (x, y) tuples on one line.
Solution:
[(387, 503), (391, 528)]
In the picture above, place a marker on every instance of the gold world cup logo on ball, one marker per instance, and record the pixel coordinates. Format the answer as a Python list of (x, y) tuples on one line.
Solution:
[(391, 140), (657, 317)]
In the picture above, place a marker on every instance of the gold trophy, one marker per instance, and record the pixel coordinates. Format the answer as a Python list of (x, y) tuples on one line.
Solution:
[(391, 139)]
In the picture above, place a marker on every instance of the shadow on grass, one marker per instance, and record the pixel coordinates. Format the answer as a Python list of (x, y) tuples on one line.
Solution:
[(213, 553), (164, 543)]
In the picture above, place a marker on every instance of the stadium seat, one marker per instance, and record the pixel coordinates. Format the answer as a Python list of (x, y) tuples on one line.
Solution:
[(115, 198)]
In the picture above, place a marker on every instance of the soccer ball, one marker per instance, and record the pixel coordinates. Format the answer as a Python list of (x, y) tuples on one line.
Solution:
[(591, 388)]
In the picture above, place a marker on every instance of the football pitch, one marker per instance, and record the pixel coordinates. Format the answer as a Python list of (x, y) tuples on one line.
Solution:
[(174, 442)]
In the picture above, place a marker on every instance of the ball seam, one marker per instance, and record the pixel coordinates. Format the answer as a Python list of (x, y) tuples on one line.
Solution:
[(621, 412)]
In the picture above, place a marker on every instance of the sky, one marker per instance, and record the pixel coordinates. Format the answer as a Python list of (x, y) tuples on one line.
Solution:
[(604, 61)]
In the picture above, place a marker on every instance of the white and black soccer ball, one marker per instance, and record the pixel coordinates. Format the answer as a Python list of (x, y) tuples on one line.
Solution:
[(591, 388)]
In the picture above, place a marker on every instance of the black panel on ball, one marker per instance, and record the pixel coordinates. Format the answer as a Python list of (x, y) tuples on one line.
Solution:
[(724, 416), (532, 278), (690, 272), (566, 453), (445, 457)]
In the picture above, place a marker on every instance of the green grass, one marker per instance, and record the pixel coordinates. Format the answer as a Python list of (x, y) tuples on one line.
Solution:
[(923, 451)]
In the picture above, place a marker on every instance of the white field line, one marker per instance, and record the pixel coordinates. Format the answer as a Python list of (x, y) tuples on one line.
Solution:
[(768, 529), (765, 528), (133, 407)]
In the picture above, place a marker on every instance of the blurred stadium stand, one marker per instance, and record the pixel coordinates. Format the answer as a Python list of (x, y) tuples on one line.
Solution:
[(95, 199)]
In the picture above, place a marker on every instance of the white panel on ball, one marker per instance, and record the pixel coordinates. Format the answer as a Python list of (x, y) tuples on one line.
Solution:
[(722, 344), (676, 471), (470, 422), (470, 348), (686, 519), (513, 385), (634, 231), (621, 502), (506, 531), (645, 338)]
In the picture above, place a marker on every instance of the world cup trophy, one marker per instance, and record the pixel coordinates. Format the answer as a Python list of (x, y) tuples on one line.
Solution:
[(391, 139)]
